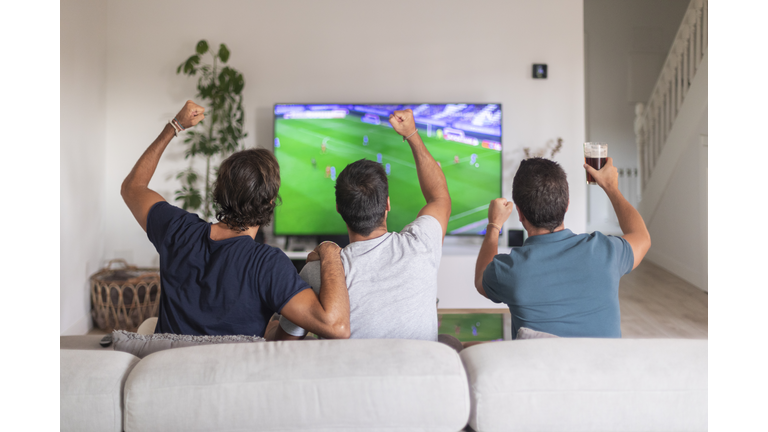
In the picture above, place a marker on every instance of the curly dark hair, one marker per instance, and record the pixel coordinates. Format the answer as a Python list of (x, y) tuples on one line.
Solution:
[(540, 191), (246, 189)]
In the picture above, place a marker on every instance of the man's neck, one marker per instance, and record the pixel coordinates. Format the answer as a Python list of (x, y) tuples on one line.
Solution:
[(222, 231), (534, 231), (378, 232)]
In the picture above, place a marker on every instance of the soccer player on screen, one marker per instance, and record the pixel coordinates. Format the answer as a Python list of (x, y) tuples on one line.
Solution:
[(392, 276)]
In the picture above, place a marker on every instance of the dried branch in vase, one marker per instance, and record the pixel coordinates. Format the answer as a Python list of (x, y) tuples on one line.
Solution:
[(557, 147), (550, 147)]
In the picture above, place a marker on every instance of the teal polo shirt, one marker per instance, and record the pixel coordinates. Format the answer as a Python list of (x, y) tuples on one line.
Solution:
[(562, 283)]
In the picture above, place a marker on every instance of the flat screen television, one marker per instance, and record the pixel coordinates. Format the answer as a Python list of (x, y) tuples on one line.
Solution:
[(313, 144)]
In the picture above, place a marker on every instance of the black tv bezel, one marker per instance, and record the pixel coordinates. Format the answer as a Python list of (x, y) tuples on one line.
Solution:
[(272, 148)]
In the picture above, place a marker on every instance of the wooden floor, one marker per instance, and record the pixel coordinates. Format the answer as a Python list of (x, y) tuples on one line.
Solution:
[(657, 304), (654, 304)]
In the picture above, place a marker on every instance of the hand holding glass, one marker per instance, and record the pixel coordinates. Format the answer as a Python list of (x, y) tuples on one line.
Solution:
[(596, 156)]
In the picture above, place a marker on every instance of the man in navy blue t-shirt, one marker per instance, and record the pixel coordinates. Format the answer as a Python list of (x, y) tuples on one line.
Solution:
[(559, 282), (215, 279)]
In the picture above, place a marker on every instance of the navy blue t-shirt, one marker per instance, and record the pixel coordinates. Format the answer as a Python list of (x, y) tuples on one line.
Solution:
[(562, 283), (225, 287)]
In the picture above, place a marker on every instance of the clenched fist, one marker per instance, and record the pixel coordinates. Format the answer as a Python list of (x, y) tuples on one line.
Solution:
[(499, 211), (402, 122), (326, 248), (190, 115)]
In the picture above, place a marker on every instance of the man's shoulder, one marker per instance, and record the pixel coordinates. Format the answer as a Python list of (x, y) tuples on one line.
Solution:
[(605, 240), (422, 222), (269, 252), (425, 228)]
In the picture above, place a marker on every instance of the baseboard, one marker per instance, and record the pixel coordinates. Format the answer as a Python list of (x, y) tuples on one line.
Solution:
[(677, 268), (80, 327)]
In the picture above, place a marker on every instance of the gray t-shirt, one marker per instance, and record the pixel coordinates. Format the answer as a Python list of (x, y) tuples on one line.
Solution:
[(392, 283)]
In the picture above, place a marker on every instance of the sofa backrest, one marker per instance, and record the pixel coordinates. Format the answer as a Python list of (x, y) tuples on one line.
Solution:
[(300, 385), (91, 386), (588, 384)]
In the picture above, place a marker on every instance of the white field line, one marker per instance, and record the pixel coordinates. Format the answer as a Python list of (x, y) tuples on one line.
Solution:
[(470, 227), (469, 212)]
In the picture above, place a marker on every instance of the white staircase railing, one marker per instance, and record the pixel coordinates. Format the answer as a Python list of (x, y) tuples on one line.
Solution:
[(654, 120)]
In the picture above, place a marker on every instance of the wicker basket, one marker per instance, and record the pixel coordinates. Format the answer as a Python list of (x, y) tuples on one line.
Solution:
[(123, 298)]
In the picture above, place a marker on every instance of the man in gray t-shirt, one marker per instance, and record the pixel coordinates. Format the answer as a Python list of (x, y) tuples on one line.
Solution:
[(392, 282), (391, 276)]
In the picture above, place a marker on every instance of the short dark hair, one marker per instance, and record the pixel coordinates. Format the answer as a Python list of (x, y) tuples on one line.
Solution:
[(540, 191), (246, 189), (361, 196)]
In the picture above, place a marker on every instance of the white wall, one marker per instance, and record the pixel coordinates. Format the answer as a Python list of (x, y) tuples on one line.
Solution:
[(678, 227), (626, 43), (343, 51), (83, 134)]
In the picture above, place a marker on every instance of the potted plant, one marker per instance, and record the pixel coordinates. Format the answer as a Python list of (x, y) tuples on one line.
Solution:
[(220, 90)]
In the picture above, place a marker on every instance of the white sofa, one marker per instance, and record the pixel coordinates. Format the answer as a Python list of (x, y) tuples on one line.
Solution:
[(388, 385)]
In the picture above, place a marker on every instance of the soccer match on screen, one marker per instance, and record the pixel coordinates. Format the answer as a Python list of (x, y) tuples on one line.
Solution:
[(313, 144)]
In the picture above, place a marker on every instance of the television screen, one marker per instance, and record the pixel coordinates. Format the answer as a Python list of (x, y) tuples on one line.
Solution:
[(313, 144)]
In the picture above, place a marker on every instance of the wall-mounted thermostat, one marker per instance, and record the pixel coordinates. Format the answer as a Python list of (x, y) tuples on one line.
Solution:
[(540, 71)]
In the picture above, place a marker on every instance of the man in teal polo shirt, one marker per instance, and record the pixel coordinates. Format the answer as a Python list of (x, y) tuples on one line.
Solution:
[(559, 282)]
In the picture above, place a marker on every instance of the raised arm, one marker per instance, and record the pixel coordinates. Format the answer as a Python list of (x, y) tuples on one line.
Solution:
[(498, 213), (431, 177), (630, 221), (326, 314), (135, 188)]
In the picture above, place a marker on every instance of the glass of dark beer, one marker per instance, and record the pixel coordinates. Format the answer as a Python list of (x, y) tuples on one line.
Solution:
[(596, 156)]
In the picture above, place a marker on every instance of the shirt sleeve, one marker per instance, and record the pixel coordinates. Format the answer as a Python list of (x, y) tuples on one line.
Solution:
[(491, 282), (427, 231), (160, 220), (625, 256), (281, 282), (311, 275)]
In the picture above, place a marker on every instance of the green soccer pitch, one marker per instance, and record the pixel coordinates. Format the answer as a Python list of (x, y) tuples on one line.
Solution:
[(307, 190), (472, 327)]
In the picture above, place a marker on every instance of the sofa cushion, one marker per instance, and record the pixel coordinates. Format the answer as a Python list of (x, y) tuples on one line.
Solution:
[(526, 333), (143, 345), (91, 386), (329, 385), (588, 384)]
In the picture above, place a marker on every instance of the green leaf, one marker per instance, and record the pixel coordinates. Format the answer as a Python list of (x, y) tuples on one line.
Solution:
[(239, 83), (189, 65), (190, 198), (223, 53), (202, 47)]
